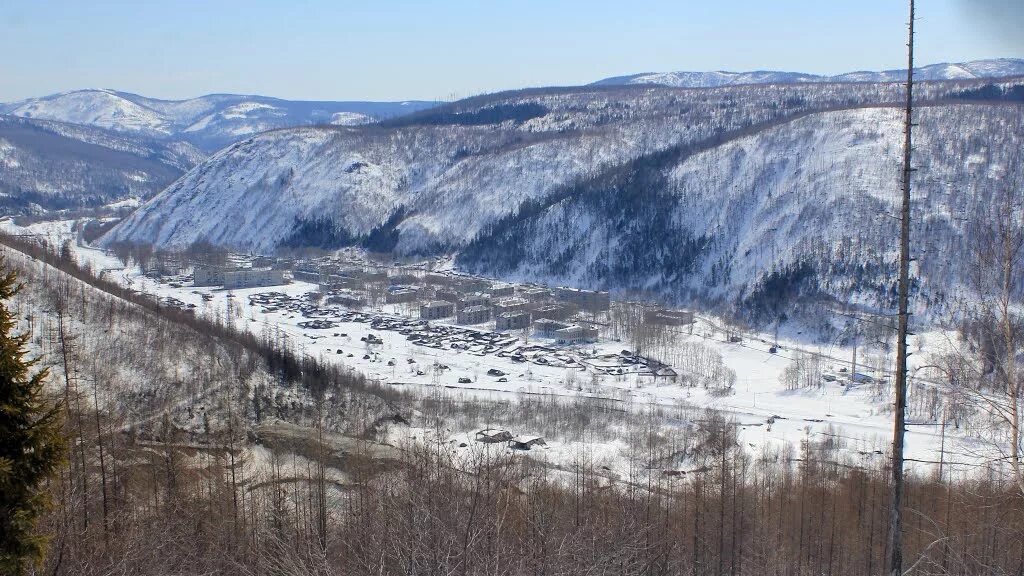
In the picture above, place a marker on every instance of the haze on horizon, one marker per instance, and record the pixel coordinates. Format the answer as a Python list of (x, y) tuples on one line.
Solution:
[(403, 50)]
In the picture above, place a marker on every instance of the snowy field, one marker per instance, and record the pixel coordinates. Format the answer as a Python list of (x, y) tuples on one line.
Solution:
[(767, 413)]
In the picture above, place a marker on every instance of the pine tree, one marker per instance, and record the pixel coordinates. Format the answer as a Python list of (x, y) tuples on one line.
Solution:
[(31, 444)]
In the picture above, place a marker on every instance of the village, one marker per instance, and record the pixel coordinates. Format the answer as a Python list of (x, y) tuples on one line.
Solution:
[(525, 323), (437, 331)]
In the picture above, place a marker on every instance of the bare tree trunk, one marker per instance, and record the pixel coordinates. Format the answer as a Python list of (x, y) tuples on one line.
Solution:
[(1009, 257), (71, 393), (103, 463), (896, 506)]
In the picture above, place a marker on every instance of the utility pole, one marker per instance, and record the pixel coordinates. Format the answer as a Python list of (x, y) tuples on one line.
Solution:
[(896, 510), (853, 369)]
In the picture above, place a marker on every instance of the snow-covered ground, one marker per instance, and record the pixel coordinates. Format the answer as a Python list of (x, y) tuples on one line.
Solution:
[(767, 413)]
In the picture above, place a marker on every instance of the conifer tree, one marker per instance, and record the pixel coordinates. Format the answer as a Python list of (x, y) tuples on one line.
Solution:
[(31, 444)]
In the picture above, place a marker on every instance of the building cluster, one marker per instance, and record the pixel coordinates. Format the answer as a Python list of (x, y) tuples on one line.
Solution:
[(557, 313), (234, 277), (546, 312)]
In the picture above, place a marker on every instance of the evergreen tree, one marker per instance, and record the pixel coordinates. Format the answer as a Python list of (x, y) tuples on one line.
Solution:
[(31, 443)]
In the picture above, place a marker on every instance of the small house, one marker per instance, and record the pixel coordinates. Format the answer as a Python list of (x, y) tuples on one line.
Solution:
[(493, 436), (525, 442)]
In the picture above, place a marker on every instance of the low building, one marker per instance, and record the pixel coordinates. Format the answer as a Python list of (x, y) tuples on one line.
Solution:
[(668, 317), (512, 321), (253, 277), (546, 327), (474, 300), (272, 262), (236, 277), (307, 276), (306, 266), (590, 300), (447, 294), (535, 293), (401, 296), (509, 305), (335, 281), (525, 442), (502, 290), (557, 311), (493, 436), (346, 298), (436, 310), (438, 279), (208, 275), (403, 278), (466, 284), (576, 334), (473, 315)]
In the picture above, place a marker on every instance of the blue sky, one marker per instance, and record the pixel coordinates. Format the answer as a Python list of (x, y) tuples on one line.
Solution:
[(393, 50)]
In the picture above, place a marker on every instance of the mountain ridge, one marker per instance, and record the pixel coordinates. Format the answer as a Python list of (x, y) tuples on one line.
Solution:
[(48, 165), (976, 69), (210, 122)]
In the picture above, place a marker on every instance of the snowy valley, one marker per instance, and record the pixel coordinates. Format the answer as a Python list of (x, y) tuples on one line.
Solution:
[(648, 325)]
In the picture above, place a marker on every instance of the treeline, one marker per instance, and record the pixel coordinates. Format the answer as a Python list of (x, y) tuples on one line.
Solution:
[(992, 92), (428, 511), (518, 112)]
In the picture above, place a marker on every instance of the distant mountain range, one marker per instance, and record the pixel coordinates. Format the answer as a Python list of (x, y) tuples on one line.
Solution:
[(89, 148), (47, 165), (995, 68), (209, 122), (214, 121)]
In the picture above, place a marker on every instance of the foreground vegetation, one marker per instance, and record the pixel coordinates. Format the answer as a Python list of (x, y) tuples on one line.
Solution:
[(178, 464)]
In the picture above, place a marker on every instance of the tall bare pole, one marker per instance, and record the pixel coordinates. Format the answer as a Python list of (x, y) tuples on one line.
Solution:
[(896, 511)]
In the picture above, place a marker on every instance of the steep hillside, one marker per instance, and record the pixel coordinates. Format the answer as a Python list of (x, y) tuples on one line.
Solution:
[(50, 165), (997, 68), (518, 183), (210, 122), (796, 209), (430, 181)]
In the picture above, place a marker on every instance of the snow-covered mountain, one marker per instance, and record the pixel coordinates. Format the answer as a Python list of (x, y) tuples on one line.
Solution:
[(518, 184), (210, 122), (995, 68), (46, 165), (799, 206)]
